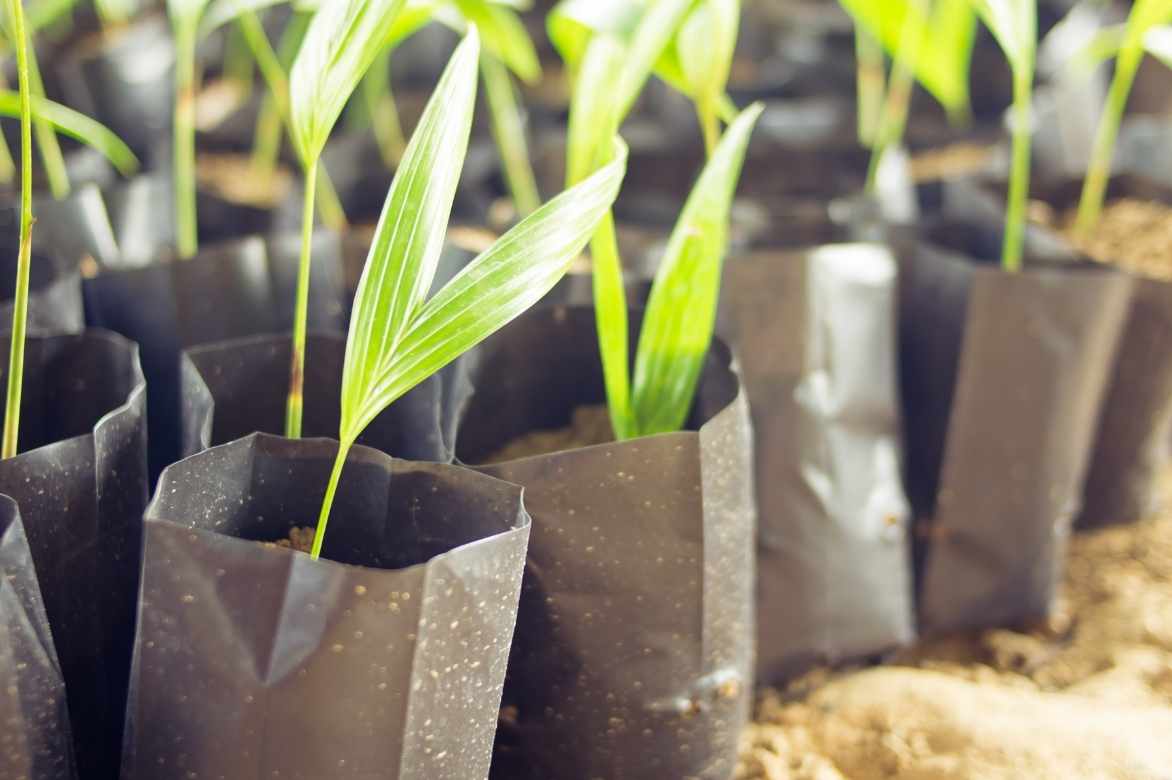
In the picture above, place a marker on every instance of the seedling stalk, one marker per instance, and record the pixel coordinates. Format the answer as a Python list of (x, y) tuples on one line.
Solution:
[(301, 312), (509, 133), (24, 258), (187, 236), (1019, 179)]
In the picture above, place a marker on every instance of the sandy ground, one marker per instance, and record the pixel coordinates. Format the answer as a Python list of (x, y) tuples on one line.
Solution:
[(1089, 696)]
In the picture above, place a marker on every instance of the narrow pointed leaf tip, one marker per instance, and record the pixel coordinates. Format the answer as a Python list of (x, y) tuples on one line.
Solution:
[(342, 41), (681, 313), (499, 285), (409, 238)]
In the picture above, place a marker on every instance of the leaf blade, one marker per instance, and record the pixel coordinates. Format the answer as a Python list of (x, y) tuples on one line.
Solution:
[(681, 313), (342, 41), (78, 126), (496, 287), (407, 243)]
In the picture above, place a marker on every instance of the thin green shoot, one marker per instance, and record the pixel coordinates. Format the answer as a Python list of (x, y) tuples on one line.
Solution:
[(940, 31), (114, 12), (897, 100), (11, 435), (1014, 23), (342, 41), (398, 336), (271, 124), (378, 99), (268, 61), (1145, 16), (52, 158), (871, 80), (75, 125), (185, 17), (613, 49)]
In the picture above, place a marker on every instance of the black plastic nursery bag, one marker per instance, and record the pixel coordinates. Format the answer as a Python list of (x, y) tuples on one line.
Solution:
[(383, 659), (35, 743), (123, 76), (1002, 377), (815, 336), (634, 652), (227, 291), (55, 301), (80, 481), (233, 388), (1136, 419)]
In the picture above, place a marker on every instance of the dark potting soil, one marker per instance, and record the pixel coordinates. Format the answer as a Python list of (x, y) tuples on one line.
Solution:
[(232, 177), (590, 425), (1133, 234)]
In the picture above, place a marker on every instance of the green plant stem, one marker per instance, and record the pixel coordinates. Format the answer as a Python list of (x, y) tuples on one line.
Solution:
[(323, 519), (896, 103), (184, 162), (24, 258), (379, 101), (7, 164), (238, 62), (301, 312), (610, 307), (1019, 179), (870, 85), (1094, 190), (269, 63), (509, 132), (47, 143), (709, 125), (266, 143)]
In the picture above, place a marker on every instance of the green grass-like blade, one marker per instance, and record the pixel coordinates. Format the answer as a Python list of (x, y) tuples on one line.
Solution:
[(681, 313), (221, 12), (407, 243), (943, 36), (496, 287), (342, 41), (78, 126), (504, 35)]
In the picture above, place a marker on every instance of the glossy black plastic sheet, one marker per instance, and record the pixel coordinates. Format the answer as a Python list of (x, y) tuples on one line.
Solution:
[(35, 743), (227, 291), (80, 482), (1002, 378), (124, 78), (55, 300), (231, 389), (815, 336), (1136, 420), (634, 652), (384, 659)]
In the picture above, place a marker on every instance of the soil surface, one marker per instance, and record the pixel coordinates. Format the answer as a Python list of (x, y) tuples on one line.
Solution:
[(953, 160), (590, 425), (232, 177), (1135, 235), (300, 539), (1090, 695)]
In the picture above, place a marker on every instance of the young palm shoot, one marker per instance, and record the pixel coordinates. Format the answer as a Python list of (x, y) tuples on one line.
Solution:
[(930, 42), (398, 337), (343, 39), (19, 38), (185, 16), (1142, 22), (1014, 23), (114, 12), (68, 121), (613, 48)]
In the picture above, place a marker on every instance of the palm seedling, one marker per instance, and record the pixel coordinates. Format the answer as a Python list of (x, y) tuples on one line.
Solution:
[(1014, 23), (612, 52), (398, 335), (27, 105), (1141, 33), (930, 42)]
